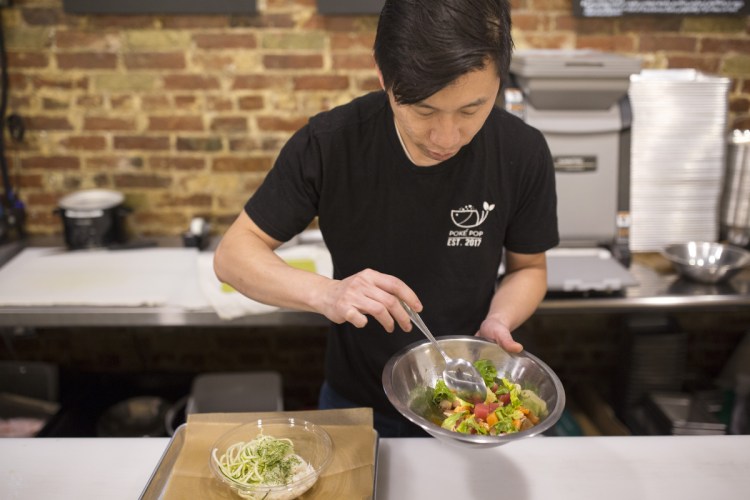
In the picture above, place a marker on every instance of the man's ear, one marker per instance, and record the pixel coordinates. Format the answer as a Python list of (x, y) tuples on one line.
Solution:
[(380, 77)]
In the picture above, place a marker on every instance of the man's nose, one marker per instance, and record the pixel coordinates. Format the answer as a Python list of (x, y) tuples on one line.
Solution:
[(445, 133)]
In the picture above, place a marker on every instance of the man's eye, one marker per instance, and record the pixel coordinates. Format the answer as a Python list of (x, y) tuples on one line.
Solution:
[(469, 112), (425, 113)]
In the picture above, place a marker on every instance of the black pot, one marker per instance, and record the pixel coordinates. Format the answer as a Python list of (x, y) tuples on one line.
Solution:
[(93, 218)]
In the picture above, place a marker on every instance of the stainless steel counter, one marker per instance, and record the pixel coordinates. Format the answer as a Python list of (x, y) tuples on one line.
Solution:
[(90, 316), (659, 289), (145, 316)]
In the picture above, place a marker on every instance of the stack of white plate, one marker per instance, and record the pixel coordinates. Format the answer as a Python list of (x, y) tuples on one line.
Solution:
[(678, 153)]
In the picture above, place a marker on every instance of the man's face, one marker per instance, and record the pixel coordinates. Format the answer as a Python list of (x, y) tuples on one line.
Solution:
[(435, 129)]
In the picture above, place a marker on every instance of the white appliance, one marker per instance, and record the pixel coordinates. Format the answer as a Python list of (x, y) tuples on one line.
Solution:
[(578, 99)]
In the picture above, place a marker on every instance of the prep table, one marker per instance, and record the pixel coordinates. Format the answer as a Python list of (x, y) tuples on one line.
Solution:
[(658, 289), (684, 467)]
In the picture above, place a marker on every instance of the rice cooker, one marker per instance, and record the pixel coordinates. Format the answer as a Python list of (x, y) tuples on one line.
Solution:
[(93, 218)]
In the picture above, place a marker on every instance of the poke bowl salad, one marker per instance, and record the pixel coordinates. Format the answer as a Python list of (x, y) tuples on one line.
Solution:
[(524, 396), (506, 409)]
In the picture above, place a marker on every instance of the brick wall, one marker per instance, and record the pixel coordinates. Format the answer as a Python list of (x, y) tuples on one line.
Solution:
[(185, 114)]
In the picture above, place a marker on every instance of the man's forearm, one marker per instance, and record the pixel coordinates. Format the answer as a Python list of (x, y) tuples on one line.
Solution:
[(251, 267), (518, 296)]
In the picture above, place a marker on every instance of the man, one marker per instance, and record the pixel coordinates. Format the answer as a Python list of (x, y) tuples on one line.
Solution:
[(417, 190)]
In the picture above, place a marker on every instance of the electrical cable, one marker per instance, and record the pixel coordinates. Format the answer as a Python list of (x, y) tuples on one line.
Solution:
[(3, 108), (15, 210)]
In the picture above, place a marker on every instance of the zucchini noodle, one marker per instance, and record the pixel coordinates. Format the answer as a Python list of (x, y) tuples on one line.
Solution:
[(264, 461)]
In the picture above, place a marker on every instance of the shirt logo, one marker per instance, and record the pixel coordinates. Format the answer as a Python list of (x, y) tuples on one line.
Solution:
[(467, 219)]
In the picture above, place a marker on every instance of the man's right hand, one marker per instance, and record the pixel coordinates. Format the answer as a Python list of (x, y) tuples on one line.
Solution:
[(369, 293)]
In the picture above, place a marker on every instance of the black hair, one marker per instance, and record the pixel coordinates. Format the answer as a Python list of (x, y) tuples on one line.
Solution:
[(422, 46)]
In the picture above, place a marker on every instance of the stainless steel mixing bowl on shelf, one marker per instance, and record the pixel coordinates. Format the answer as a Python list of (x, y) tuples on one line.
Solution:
[(706, 262)]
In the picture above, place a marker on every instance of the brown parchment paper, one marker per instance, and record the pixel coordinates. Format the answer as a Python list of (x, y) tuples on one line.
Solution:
[(351, 473)]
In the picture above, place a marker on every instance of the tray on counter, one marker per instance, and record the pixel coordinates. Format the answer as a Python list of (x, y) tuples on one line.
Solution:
[(157, 483)]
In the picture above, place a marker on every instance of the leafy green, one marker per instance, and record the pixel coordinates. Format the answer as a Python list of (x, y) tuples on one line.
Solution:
[(487, 370), (450, 422), (462, 402), (441, 392), (509, 387), (420, 399), (470, 423), (422, 403), (505, 416), (534, 403)]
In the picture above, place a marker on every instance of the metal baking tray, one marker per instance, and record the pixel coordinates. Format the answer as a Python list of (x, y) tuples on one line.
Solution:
[(157, 483)]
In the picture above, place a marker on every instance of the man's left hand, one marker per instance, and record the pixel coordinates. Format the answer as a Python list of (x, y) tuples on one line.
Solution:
[(493, 329)]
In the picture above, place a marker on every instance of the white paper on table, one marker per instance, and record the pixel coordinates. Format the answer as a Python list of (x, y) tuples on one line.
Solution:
[(138, 277), (230, 304)]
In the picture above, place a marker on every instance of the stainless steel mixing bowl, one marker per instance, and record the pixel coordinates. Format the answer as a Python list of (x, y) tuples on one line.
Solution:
[(410, 373), (705, 261)]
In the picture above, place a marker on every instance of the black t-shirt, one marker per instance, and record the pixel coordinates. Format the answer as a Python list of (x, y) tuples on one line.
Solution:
[(440, 229)]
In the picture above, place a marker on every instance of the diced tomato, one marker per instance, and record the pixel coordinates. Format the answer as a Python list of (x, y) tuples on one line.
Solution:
[(493, 406), (504, 399), (481, 410), (494, 387)]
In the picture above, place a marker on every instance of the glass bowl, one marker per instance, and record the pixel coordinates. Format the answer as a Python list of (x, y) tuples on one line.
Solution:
[(417, 367), (311, 442)]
